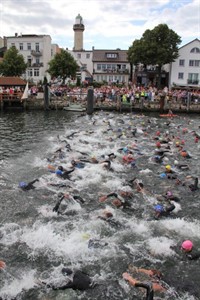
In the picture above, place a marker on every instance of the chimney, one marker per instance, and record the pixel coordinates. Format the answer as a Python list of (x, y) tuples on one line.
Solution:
[(16, 34)]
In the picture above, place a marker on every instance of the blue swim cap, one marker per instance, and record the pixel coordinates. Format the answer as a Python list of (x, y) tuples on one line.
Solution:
[(59, 172), (125, 149), (119, 129), (23, 184), (163, 175), (156, 157), (133, 163), (158, 208)]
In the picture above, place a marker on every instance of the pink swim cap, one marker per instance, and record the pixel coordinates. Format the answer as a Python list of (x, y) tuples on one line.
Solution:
[(187, 245), (169, 193)]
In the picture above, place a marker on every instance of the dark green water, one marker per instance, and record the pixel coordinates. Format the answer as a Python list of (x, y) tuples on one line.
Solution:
[(36, 243)]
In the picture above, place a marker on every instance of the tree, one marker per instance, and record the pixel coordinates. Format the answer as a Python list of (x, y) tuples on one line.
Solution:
[(156, 47), (13, 63), (63, 65)]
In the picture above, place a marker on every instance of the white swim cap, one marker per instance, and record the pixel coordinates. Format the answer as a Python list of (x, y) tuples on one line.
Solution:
[(165, 159)]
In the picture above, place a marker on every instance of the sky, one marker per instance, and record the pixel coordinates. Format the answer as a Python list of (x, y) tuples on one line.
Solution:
[(109, 24)]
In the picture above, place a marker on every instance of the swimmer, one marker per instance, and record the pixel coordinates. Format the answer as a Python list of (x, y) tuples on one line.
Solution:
[(107, 165), (187, 249), (62, 196), (77, 164), (108, 217), (152, 285), (194, 187), (63, 173), (76, 280), (163, 210), (118, 201), (26, 186)]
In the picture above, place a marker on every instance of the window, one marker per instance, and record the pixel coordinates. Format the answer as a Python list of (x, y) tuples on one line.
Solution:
[(84, 67), (36, 72), (193, 78), (98, 67), (12, 44), (180, 75), (195, 50), (87, 55), (37, 47), (30, 73), (28, 46), (20, 46), (194, 63), (29, 61), (111, 55), (181, 62), (37, 60), (103, 67), (78, 55)]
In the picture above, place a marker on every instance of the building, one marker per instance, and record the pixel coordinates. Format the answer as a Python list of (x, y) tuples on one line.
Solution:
[(37, 52), (78, 33), (185, 70), (111, 66), (98, 65), (82, 57)]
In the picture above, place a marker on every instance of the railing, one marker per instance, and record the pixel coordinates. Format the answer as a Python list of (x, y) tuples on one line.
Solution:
[(111, 71), (36, 53), (37, 65), (11, 97), (192, 81)]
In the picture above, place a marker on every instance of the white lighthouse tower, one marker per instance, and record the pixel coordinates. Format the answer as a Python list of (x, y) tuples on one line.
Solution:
[(78, 33)]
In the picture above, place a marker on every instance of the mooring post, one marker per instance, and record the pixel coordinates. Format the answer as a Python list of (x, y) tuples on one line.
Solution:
[(46, 96), (90, 101)]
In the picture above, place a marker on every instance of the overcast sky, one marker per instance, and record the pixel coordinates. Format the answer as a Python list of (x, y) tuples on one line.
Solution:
[(109, 24)]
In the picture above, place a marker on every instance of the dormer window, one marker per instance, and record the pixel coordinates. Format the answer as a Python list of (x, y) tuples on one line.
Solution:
[(111, 55)]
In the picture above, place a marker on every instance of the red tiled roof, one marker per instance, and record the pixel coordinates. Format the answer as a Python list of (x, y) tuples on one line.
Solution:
[(11, 81)]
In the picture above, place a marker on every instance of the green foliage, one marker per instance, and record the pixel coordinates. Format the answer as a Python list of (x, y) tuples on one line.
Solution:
[(63, 65), (158, 46), (13, 63)]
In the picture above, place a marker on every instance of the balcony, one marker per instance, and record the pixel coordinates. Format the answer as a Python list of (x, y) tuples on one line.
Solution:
[(192, 81), (34, 65), (36, 53), (111, 71)]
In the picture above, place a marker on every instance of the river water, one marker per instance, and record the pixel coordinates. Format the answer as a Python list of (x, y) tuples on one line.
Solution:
[(36, 242)]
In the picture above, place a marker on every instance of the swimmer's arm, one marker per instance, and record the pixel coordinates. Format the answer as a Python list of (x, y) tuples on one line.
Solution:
[(130, 279)]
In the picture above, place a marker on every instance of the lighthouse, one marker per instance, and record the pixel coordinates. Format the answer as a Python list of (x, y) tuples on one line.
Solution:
[(78, 33)]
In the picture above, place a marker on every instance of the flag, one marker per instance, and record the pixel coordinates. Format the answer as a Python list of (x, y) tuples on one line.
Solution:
[(25, 94)]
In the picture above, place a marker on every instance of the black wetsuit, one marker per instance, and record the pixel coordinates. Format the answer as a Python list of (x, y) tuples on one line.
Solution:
[(166, 212), (194, 187), (62, 196), (65, 174), (193, 255), (29, 185), (149, 288), (80, 281), (124, 202)]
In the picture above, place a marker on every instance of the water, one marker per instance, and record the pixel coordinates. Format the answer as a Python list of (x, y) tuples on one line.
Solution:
[(36, 243)]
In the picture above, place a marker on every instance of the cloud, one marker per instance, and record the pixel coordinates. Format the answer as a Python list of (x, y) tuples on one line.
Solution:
[(115, 23)]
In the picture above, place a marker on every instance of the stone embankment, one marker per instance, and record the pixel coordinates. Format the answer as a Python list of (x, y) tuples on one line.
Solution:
[(58, 103)]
